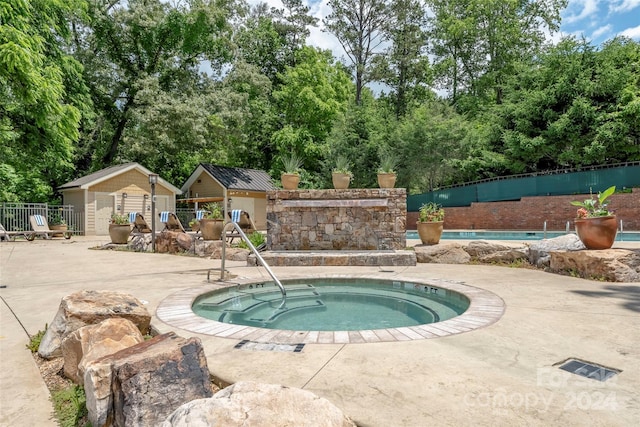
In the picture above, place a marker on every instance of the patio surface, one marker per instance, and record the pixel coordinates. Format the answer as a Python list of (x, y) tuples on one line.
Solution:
[(500, 374)]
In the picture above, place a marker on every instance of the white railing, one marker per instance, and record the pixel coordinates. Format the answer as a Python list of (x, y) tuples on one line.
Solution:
[(15, 216)]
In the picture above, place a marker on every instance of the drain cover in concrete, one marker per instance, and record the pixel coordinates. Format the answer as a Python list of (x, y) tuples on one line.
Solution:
[(588, 370), (266, 346)]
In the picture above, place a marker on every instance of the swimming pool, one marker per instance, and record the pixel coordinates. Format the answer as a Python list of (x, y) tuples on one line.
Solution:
[(627, 236), (485, 308), (332, 305)]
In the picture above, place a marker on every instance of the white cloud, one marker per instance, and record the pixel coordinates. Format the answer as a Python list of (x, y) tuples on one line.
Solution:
[(632, 33), (623, 5), (580, 9), (602, 31)]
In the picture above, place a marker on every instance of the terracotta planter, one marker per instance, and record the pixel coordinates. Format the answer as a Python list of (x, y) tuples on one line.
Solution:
[(597, 233), (61, 227), (430, 232), (340, 180), (290, 181), (119, 233), (211, 229), (386, 180)]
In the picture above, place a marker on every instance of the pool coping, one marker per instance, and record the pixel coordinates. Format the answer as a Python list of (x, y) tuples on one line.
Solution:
[(485, 308)]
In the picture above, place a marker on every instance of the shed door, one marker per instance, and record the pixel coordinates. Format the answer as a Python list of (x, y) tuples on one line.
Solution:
[(104, 209)]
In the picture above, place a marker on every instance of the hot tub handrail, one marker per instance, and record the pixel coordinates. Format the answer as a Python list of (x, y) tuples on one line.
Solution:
[(258, 257)]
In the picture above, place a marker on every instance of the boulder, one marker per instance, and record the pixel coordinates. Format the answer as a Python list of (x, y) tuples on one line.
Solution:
[(143, 384), (94, 341), (249, 404), (140, 243), (539, 250), (89, 308), (442, 253), (174, 242), (485, 251), (206, 248), (616, 265)]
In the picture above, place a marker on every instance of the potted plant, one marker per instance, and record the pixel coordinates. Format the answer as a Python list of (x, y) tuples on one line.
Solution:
[(430, 223), (596, 225), (119, 228), (341, 174), (386, 171), (57, 222), (212, 223), (290, 177)]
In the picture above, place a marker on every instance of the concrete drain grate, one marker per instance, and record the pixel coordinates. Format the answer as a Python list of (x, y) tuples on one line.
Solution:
[(266, 346), (588, 369)]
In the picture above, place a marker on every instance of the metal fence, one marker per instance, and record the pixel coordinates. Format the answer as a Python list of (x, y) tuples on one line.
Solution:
[(15, 216), (556, 183)]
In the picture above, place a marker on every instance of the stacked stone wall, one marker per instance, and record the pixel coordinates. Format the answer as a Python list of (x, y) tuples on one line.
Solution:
[(352, 219)]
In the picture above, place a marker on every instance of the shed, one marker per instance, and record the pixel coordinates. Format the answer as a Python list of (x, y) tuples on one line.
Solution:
[(122, 188), (236, 188)]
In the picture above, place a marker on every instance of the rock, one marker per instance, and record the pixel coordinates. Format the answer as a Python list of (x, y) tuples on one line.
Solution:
[(143, 384), (236, 254), (89, 308), (140, 243), (485, 251), (539, 250), (205, 248), (249, 404), (617, 265), (442, 253), (174, 242), (94, 341)]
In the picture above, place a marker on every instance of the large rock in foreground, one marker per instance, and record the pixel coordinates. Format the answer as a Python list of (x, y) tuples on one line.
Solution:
[(89, 308), (92, 342), (143, 384), (251, 404), (539, 251), (442, 253), (615, 265)]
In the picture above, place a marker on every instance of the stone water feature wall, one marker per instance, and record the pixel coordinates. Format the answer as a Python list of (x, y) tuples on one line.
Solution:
[(352, 219)]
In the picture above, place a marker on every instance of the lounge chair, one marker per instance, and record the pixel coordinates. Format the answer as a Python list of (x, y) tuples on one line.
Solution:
[(40, 227), (245, 222), (139, 223), (11, 235), (171, 222)]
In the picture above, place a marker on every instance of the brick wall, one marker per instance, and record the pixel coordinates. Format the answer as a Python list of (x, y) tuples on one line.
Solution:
[(530, 213), (352, 219)]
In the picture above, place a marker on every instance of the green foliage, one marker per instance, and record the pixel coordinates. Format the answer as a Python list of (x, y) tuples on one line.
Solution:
[(291, 163), (69, 405), (256, 238), (34, 340), (212, 211), (342, 165), (119, 219), (431, 212), (591, 208), (388, 163)]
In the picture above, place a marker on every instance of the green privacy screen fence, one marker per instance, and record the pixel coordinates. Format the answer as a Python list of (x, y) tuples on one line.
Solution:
[(554, 183)]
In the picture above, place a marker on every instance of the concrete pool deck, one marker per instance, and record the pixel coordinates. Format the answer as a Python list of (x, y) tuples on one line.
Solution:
[(502, 374)]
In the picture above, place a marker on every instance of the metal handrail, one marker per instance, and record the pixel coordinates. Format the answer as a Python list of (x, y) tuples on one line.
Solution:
[(258, 257)]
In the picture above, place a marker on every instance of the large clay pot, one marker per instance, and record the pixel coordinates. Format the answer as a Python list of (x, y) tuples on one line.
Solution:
[(60, 227), (211, 229), (340, 180), (597, 233), (119, 233), (430, 232), (290, 181), (386, 180)]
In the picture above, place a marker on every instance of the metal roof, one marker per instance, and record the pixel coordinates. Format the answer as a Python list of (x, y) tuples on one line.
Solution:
[(240, 178), (108, 173)]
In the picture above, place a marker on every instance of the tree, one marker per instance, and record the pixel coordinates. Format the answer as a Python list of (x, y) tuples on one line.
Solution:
[(130, 43), (358, 25), (42, 97), (404, 66), (312, 95), (477, 42)]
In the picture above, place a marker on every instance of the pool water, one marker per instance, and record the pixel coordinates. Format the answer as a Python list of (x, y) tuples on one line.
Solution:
[(627, 236), (332, 305)]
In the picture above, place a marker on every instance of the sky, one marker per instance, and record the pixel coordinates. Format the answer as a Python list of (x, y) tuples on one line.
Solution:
[(596, 20)]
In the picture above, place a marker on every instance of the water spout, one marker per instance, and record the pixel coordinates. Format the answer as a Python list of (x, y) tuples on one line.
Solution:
[(568, 226), (544, 229), (621, 227)]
